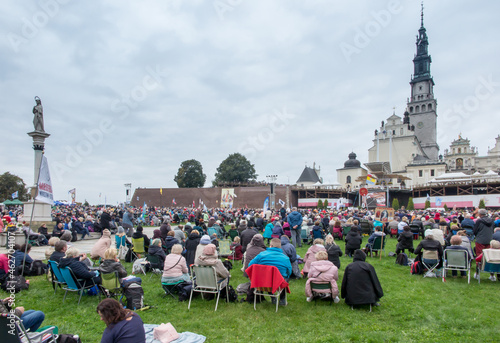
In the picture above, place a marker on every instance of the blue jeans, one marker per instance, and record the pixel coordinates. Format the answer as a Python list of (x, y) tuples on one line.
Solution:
[(84, 232), (32, 319)]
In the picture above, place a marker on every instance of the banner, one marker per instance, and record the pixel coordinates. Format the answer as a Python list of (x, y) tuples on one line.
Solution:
[(266, 204), (227, 197), (384, 214), (370, 179), (44, 183), (72, 192), (375, 198), (15, 195), (281, 202)]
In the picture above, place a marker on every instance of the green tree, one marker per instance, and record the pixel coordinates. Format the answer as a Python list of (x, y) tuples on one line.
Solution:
[(86, 203), (411, 205), (325, 204), (236, 168), (190, 175), (427, 204), (395, 204), (320, 204), (9, 184), (482, 204)]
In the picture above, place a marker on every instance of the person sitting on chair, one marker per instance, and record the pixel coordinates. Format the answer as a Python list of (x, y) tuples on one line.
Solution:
[(111, 263), (170, 240), (291, 252), (59, 251), (352, 241), (360, 285), (456, 242), (255, 247), (74, 260), (429, 244), (371, 240), (323, 271), (122, 325), (493, 245), (237, 248), (155, 249), (405, 241), (50, 249), (101, 245), (333, 250), (274, 256), (138, 234), (209, 258), (31, 319), (310, 256), (175, 268)]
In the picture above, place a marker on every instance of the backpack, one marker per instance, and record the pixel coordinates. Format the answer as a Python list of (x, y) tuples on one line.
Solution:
[(135, 296), (402, 259), (74, 236), (37, 268), (14, 283), (416, 268), (231, 294), (65, 338), (136, 267)]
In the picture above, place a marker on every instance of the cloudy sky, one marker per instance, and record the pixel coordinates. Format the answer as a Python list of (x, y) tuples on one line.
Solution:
[(131, 89)]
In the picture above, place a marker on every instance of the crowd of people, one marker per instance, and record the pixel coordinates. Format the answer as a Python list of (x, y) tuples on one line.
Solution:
[(187, 237)]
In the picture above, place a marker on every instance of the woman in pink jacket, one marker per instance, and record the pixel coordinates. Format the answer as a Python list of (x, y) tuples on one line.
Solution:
[(101, 245), (318, 245), (323, 271), (175, 268)]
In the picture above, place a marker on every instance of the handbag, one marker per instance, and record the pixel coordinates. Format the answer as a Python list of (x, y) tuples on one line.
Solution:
[(122, 252), (165, 333)]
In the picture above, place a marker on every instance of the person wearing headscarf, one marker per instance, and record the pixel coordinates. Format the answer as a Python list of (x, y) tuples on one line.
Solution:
[(255, 247), (101, 245), (209, 258), (204, 241), (191, 246)]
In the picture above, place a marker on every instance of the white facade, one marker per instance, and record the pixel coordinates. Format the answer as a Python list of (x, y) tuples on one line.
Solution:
[(421, 174)]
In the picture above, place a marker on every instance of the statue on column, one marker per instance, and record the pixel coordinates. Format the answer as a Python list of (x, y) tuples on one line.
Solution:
[(38, 115)]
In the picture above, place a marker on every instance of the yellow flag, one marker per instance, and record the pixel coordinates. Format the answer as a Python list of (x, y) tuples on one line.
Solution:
[(161, 191)]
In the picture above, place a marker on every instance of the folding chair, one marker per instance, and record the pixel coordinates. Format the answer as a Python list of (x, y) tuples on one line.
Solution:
[(73, 284), (57, 278), (430, 255), (111, 284), (345, 231), (170, 288), (138, 247), (21, 335), (224, 249), (378, 246), (456, 260), (490, 263), (155, 264), (267, 279), (321, 286), (204, 280)]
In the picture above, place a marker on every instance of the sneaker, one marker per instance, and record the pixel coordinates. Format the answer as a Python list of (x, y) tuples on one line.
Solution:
[(336, 300), (376, 304), (493, 278), (309, 299), (283, 302), (476, 276)]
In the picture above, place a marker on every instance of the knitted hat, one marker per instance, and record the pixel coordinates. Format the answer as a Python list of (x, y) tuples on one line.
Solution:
[(121, 229), (205, 239)]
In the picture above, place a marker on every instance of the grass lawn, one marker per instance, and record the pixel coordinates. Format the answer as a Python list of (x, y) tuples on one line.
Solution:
[(413, 309)]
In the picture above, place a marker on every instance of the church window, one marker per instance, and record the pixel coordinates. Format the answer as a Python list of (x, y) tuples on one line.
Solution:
[(348, 180), (429, 107), (394, 132), (420, 173), (432, 172), (423, 108), (401, 131), (417, 108), (411, 109), (459, 150), (460, 163), (465, 150)]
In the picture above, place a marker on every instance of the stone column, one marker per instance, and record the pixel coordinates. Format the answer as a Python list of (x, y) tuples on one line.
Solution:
[(38, 146)]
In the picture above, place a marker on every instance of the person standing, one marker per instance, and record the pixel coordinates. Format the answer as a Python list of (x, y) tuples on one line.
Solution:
[(127, 223), (483, 230), (295, 221)]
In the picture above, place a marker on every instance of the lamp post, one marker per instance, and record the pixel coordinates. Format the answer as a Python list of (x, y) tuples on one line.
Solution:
[(271, 179), (128, 188)]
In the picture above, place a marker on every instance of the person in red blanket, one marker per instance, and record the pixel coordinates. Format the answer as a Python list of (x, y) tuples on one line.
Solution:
[(237, 248)]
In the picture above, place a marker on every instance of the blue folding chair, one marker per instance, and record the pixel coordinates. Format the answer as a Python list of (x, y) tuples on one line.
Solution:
[(75, 285), (57, 278)]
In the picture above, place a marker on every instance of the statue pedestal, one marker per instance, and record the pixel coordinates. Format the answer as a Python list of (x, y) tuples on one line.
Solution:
[(42, 214)]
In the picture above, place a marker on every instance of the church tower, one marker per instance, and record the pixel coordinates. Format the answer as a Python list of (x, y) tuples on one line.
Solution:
[(422, 105)]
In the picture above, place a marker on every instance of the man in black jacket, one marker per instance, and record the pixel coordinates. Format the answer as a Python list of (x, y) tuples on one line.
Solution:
[(59, 251), (74, 261), (360, 285)]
